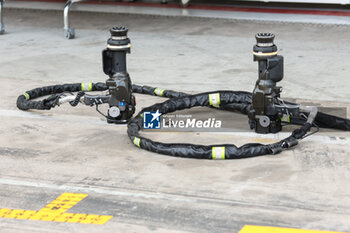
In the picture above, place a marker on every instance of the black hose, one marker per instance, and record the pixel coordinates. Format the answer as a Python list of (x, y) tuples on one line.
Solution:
[(230, 100), (26, 102), (76, 101), (237, 101)]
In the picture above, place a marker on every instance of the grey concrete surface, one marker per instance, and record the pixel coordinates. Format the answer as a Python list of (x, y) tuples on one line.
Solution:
[(46, 153)]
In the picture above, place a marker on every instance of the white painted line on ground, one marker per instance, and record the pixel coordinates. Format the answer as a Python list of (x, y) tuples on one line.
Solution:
[(69, 188), (62, 118), (338, 140)]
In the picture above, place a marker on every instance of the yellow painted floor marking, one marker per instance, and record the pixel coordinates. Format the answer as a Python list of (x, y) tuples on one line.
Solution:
[(56, 212), (63, 203), (264, 229)]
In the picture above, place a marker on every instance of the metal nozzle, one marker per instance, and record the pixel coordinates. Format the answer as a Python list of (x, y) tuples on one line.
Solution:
[(264, 39), (119, 33), (119, 40)]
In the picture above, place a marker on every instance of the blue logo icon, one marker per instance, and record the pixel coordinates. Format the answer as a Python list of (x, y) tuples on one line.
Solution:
[(151, 120)]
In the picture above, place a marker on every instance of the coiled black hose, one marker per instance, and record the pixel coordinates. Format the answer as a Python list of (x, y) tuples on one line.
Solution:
[(237, 101)]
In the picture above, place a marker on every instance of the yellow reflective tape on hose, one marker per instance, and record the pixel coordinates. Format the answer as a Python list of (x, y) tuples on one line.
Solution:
[(218, 152), (285, 118), (214, 100), (86, 86), (26, 95), (159, 92), (137, 141)]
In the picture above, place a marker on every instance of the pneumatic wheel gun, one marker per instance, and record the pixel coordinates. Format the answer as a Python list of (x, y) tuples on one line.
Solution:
[(268, 110)]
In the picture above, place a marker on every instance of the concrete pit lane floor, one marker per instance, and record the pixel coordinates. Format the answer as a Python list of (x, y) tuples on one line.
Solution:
[(45, 154)]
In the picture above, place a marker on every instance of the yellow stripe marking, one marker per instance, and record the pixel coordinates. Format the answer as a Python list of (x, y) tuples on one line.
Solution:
[(26, 95), (56, 211), (214, 151), (285, 118), (159, 92), (265, 54), (118, 46), (214, 100), (137, 141), (264, 229), (86, 87)]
